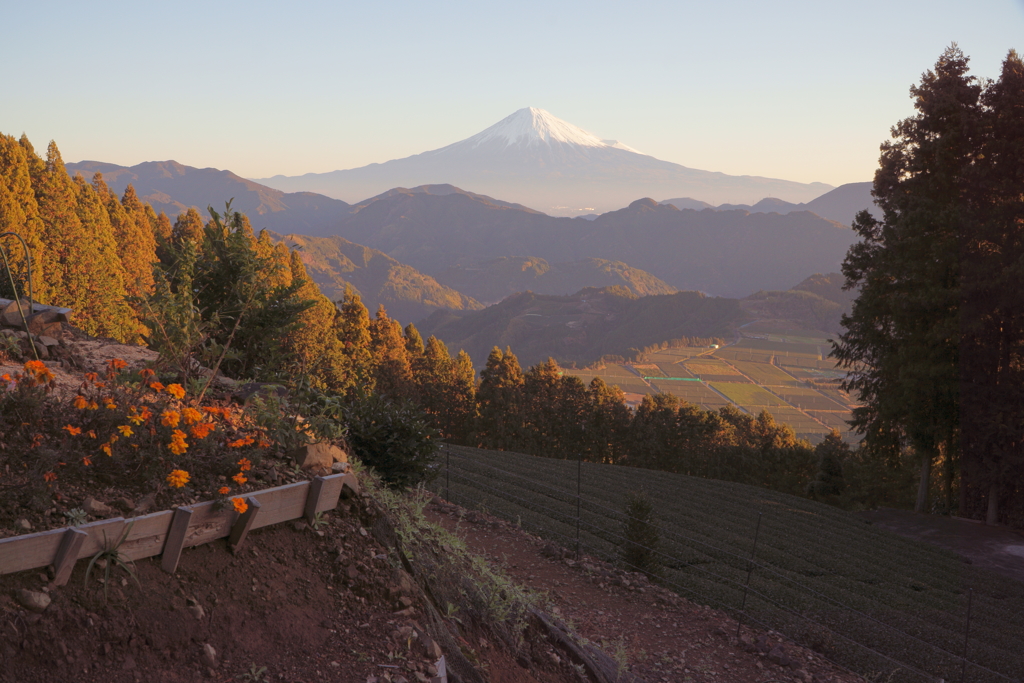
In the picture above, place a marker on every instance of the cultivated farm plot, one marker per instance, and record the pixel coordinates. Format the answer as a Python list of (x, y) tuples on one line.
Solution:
[(749, 396), (801, 422), (731, 353), (673, 355), (674, 370), (714, 370), (864, 597), (833, 420), (806, 398), (765, 374), (781, 349), (696, 393)]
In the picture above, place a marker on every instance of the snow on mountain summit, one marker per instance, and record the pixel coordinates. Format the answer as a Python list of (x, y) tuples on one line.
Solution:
[(532, 126)]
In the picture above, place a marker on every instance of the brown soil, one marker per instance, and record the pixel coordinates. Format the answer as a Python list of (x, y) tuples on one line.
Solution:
[(660, 636), (997, 548)]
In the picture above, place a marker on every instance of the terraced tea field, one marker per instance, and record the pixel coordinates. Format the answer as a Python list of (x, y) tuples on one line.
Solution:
[(863, 597)]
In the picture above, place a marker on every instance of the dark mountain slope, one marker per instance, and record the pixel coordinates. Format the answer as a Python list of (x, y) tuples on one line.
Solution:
[(583, 327), (493, 280)]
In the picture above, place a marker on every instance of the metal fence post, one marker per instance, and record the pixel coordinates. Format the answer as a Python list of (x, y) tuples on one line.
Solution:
[(579, 476), (750, 570), (967, 633)]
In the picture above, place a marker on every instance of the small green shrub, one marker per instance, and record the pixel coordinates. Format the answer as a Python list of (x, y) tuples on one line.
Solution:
[(392, 438), (640, 547)]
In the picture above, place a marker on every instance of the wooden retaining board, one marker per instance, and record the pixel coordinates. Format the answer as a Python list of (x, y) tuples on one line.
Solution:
[(147, 534)]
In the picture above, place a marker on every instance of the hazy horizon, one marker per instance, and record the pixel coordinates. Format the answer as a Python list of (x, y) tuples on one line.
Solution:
[(788, 91)]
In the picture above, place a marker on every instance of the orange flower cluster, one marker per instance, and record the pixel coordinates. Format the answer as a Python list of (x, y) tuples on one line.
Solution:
[(37, 373), (245, 464), (202, 430), (177, 444), (73, 431), (238, 443), (240, 505), (170, 418), (177, 478), (177, 391), (191, 415), (239, 479)]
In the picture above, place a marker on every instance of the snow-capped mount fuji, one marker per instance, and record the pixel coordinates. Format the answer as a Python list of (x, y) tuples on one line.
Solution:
[(534, 158), (533, 127)]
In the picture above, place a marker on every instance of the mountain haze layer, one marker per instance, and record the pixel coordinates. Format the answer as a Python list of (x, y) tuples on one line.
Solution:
[(839, 205), (539, 160)]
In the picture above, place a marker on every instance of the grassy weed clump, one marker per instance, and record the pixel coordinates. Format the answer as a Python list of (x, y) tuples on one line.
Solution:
[(457, 582)]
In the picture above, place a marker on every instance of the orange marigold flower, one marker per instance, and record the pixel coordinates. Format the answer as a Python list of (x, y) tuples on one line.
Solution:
[(156, 386), (116, 364), (109, 402), (146, 373), (240, 442), (80, 402), (106, 449), (5, 377), (177, 444), (202, 430), (86, 460), (190, 415), (244, 464), (177, 478), (176, 390), (240, 505), (169, 418), (239, 479), (93, 405), (50, 476), (73, 431), (91, 434), (91, 376), (224, 490), (263, 443), (125, 430), (134, 417)]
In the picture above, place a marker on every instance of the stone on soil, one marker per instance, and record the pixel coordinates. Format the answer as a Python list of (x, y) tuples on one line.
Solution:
[(319, 455), (95, 507), (34, 601)]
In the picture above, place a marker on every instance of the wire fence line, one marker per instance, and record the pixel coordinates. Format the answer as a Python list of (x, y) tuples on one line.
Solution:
[(478, 483), (755, 564)]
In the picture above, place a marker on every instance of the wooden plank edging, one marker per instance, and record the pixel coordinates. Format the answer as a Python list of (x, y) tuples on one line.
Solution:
[(152, 534)]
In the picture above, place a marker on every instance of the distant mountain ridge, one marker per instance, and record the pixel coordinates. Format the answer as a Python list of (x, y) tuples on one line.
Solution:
[(724, 253), (534, 158), (172, 188), (839, 205)]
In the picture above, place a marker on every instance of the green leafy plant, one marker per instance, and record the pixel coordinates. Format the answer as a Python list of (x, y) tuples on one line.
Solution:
[(255, 673), (112, 555), (75, 516)]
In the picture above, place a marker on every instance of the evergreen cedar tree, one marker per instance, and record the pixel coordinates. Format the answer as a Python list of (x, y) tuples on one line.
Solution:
[(934, 340)]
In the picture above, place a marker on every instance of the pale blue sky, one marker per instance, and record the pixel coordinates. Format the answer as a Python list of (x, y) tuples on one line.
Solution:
[(799, 90)]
